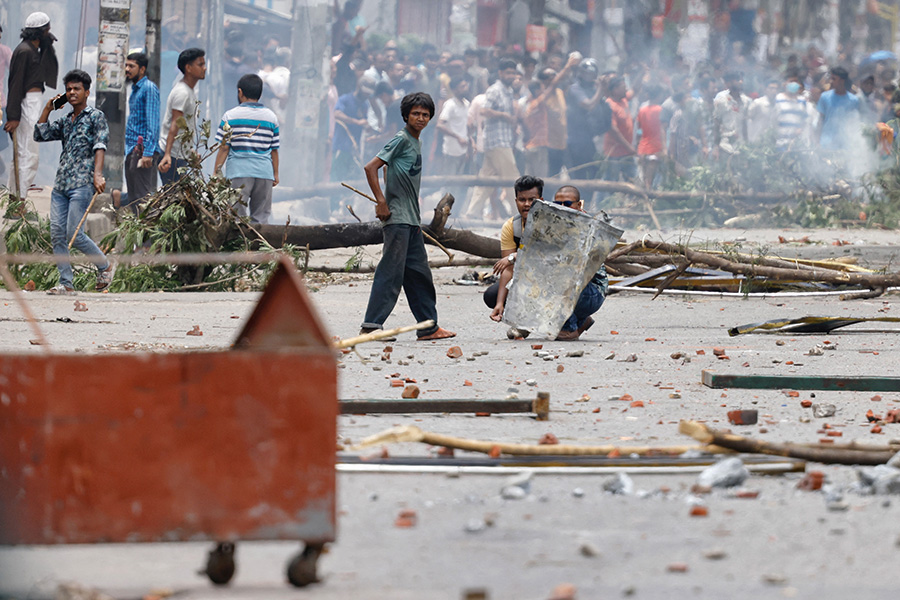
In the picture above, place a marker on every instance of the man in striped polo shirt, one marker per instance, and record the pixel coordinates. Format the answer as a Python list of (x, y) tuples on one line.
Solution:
[(251, 150)]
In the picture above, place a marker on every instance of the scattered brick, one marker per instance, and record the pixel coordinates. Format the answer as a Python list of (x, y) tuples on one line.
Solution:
[(876, 429), (793, 394), (626, 398), (677, 568), (650, 339), (410, 391), (743, 417), (29, 287), (195, 331), (482, 414), (806, 403), (467, 383), (876, 398), (892, 416), (397, 383), (537, 346), (718, 351), (747, 494), (834, 433), (388, 349), (548, 439), (495, 452), (560, 368), (812, 481), (406, 519), (637, 404), (701, 352), (699, 511), (455, 352)]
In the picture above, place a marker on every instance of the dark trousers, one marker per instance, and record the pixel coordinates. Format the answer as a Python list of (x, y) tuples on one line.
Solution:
[(404, 263), (172, 175), (141, 182), (589, 301)]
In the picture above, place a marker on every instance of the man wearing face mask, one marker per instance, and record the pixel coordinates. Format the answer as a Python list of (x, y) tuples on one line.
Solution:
[(791, 115), (32, 67)]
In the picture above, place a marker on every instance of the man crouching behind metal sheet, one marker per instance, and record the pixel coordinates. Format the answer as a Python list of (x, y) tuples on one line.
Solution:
[(528, 189)]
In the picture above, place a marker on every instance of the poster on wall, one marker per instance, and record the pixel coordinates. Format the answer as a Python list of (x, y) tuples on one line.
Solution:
[(112, 46), (535, 38), (126, 4)]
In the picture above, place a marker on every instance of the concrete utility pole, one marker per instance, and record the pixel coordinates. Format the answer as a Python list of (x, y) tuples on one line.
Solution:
[(215, 59), (110, 83), (152, 45), (310, 42)]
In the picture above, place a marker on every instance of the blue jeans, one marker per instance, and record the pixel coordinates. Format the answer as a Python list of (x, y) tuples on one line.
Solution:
[(403, 263), (66, 209), (589, 302)]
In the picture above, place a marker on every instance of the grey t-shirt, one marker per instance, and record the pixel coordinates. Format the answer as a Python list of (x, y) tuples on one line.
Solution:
[(403, 155), (183, 98)]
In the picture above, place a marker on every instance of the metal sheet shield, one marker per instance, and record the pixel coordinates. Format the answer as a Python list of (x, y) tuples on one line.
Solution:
[(561, 251)]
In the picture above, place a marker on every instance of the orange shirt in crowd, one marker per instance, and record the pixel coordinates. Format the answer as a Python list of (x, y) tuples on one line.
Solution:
[(651, 130), (621, 120)]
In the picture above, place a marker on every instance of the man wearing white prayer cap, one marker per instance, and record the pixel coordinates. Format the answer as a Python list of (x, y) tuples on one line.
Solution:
[(32, 68)]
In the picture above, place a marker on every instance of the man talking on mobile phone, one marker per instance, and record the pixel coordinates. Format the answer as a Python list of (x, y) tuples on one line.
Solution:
[(84, 134)]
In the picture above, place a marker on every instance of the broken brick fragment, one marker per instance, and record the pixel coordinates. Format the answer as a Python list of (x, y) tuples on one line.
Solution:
[(677, 568), (876, 398), (875, 429), (637, 404), (495, 451), (397, 383), (537, 346), (548, 439), (560, 368), (892, 416), (406, 519), (743, 417), (699, 511), (872, 417), (467, 383), (718, 351), (834, 433), (454, 352), (793, 394), (701, 352), (29, 287), (410, 391), (806, 403), (195, 331), (812, 481), (747, 494)]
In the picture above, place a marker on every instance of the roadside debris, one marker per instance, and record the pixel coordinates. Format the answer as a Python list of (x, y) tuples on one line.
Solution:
[(728, 472)]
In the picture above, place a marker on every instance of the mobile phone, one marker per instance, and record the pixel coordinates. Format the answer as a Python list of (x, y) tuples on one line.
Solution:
[(60, 102)]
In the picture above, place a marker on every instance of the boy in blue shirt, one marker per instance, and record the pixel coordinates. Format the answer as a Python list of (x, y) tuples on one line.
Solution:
[(404, 262), (250, 156)]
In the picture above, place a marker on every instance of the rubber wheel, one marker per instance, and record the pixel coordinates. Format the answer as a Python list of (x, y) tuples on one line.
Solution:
[(301, 571), (220, 564)]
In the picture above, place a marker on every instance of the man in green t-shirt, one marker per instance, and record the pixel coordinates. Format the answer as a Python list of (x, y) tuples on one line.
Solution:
[(404, 262)]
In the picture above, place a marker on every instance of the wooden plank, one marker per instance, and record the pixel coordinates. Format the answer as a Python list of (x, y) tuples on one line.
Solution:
[(801, 382), (417, 405)]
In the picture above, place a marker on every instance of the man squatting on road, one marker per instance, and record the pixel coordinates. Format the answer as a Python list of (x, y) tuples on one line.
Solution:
[(84, 134), (528, 189), (404, 262)]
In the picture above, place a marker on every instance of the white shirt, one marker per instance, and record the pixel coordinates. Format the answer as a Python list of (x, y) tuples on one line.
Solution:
[(455, 116), (182, 98)]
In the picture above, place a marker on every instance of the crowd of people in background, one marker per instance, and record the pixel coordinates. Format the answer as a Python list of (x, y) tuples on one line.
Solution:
[(504, 112)]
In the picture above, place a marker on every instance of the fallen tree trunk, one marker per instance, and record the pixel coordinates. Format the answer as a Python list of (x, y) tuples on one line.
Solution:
[(347, 235), (831, 454), (821, 275)]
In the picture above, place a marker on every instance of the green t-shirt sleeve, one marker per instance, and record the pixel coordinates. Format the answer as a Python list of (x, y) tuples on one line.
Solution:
[(391, 149)]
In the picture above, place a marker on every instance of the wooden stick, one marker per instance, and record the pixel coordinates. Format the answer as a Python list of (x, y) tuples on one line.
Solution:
[(377, 335), (425, 233), (80, 223), (12, 286), (16, 165), (408, 433), (822, 453)]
